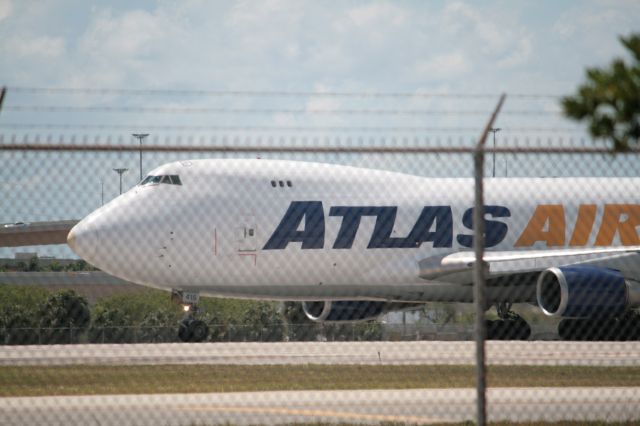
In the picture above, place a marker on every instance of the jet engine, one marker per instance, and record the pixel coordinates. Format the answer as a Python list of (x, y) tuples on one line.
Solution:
[(583, 291), (344, 310)]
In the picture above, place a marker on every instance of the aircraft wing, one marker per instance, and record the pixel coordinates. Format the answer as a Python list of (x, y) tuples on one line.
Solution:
[(458, 267), (35, 233)]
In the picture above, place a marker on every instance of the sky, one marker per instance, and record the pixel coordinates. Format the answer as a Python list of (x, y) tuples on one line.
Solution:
[(470, 47), (432, 47), (420, 48)]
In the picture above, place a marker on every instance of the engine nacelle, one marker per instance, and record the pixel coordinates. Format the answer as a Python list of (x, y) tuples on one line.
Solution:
[(584, 291), (344, 310)]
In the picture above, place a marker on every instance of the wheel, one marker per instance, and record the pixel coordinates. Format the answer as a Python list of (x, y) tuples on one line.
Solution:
[(631, 327), (184, 332), (580, 329), (193, 331), (517, 329), (199, 331), (497, 330), (509, 329), (570, 329)]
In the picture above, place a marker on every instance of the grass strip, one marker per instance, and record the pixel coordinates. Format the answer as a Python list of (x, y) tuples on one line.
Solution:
[(95, 380)]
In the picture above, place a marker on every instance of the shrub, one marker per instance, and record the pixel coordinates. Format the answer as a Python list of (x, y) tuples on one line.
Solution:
[(63, 317), (111, 325)]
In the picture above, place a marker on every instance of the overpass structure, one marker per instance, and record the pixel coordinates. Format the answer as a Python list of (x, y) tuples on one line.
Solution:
[(35, 233)]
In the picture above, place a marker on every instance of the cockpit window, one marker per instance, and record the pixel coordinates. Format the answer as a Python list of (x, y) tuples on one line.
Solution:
[(154, 180), (146, 180)]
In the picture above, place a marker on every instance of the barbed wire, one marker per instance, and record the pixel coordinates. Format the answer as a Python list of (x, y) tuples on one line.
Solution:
[(316, 149), (292, 111), (126, 127), (266, 93), (285, 139)]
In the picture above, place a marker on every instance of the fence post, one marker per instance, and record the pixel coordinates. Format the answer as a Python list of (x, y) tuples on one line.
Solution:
[(479, 269)]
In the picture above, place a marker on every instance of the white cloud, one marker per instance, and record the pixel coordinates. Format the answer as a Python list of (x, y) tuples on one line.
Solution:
[(490, 34), (377, 15), (519, 55), (446, 65), (462, 18), (5, 9), (42, 46), (271, 26), (322, 103), (133, 33)]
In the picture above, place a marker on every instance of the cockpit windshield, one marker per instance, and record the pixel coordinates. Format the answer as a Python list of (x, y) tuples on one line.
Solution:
[(155, 180)]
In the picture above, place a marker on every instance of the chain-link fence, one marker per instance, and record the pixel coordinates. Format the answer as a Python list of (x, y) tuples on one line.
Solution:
[(334, 242)]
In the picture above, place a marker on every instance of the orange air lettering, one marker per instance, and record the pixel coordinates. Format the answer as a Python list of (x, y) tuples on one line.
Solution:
[(622, 219), (584, 225), (551, 214)]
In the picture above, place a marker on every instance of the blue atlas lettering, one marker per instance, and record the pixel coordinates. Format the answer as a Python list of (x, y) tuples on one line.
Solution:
[(495, 231), (434, 225), (311, 237), (385, 220)]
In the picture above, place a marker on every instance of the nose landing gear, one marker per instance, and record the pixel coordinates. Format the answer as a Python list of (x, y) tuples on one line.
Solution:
[(191, 329)]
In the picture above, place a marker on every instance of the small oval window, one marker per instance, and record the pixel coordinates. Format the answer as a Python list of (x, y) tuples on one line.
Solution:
[(281, 183), (289, 184), (273, 183)]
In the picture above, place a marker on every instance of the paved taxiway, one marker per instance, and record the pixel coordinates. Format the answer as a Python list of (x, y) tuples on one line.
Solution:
[(416, 352), (370, 406)]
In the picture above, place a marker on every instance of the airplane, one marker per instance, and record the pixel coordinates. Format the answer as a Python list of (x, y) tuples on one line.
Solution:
[(352, 243)]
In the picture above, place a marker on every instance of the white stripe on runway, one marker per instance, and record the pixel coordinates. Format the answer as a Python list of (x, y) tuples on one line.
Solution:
[(370, 406), (372, 353)]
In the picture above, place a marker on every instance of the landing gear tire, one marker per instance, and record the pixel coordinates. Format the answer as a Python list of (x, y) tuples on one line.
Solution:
[(193, 331), (581, 329), (509, 329), (624, 328), (510, 326)]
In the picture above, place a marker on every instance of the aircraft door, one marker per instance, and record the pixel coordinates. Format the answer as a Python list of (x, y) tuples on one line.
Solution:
[(246, 234)]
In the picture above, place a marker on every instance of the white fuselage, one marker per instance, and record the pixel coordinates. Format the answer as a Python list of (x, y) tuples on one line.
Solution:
[(345, 232)]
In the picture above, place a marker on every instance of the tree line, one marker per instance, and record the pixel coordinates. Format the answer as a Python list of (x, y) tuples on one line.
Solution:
[(32, 315), (34, 264)]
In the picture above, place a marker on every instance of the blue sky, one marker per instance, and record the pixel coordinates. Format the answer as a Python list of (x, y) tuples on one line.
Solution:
[(446, 47), (534, 46)]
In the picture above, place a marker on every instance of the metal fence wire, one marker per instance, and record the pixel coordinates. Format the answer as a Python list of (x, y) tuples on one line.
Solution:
[(320, 266)]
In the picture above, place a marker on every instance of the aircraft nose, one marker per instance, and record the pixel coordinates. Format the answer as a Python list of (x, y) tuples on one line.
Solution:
[(71, 239), (83, 240)]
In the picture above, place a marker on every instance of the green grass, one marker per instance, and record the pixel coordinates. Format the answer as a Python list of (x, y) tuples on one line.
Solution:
[(81, 380)]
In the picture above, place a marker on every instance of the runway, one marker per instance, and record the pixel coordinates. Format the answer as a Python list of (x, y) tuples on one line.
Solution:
[(371, 353), (368, 406)]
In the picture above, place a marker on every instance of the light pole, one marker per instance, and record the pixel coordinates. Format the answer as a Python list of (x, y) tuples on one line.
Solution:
[(140, 137), (120, 172), (494, 130)]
